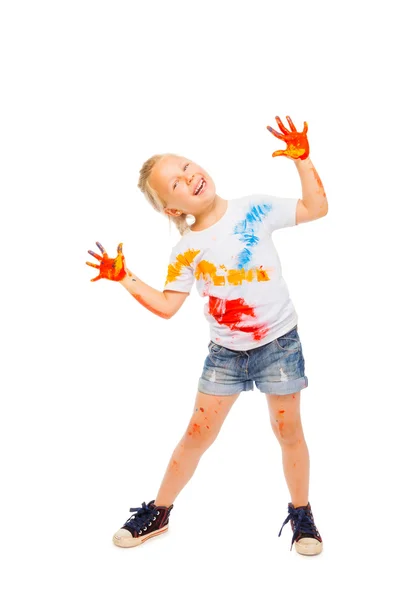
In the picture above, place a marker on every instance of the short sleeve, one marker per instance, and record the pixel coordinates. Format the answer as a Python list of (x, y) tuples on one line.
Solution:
[(277, 212), (180, 275)]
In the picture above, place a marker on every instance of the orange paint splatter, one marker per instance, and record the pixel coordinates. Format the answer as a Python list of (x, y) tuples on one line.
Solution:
[(208, 271), (232, 314), (296, 141), (109, 268), (195, 429), (182, 260), (319, 182), (202, 409), (281, 411)]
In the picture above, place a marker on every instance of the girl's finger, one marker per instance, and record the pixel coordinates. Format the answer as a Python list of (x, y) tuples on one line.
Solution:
[(305, 129), (100, 247), (281, 125), (96, 278), (93, 265), (95, 255), (292, 127), (119, 250), (275, 133)]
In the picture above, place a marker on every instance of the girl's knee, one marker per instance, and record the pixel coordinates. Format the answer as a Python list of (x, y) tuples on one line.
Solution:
[(201, 431), (287, 432)]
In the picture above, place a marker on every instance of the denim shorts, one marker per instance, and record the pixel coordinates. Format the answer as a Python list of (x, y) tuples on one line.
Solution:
[(276, 368)]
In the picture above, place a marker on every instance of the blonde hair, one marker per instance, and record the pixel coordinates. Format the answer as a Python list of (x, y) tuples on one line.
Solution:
[(152, 196)]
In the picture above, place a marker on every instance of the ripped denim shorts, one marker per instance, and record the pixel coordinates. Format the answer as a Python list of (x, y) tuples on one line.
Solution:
[(275, 368)]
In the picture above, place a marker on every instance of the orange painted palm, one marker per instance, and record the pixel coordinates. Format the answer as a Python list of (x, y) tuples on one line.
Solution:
[(297, 142), (110, 268)]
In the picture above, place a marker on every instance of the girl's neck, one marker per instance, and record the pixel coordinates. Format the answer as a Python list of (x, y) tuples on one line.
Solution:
[(216, 212)]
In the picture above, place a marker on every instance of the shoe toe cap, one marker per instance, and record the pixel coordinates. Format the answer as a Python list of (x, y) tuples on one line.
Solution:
[(122, 533), (309, 546)]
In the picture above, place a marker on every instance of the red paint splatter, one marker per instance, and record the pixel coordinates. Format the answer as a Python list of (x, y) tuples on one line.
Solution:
[(195, 429), (232, 313), (281, 411), (202, 409)]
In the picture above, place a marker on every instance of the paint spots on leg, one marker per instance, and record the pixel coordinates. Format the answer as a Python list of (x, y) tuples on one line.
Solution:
[(174, 466), (195, 430)]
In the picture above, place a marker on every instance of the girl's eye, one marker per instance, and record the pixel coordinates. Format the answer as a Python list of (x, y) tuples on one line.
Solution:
[(173, 187)]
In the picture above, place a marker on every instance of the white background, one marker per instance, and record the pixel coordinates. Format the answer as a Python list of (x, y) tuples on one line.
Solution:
[(97, 391)]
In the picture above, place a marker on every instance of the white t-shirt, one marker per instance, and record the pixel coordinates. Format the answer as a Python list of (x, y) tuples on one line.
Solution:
[(235, 264)]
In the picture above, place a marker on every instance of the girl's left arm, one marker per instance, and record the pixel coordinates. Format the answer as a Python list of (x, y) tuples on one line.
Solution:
[(313, 193)]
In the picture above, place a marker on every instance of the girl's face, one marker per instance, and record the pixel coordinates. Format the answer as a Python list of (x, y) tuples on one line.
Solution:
[(176, 179)]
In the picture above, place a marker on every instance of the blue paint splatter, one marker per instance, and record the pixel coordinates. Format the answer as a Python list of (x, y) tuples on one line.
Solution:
[(247, 228)]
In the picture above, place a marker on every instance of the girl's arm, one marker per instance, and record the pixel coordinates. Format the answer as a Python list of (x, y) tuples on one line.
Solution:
[(314, 203), (164, 304), (313, 193)]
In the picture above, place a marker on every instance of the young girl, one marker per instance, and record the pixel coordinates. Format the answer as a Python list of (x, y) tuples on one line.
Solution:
[(229, 253)]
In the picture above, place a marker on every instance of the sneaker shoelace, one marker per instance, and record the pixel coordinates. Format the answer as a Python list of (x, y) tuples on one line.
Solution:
[(145, 514), (303, 523)]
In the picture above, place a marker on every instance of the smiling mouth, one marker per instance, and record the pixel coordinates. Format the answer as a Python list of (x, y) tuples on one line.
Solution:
[(200, 188)]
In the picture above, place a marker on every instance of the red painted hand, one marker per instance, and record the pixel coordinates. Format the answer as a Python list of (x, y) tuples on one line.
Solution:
[(297, 142), (110, 268)]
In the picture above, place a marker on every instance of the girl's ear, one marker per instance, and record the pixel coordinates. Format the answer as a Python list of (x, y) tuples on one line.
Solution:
[(172, 212)]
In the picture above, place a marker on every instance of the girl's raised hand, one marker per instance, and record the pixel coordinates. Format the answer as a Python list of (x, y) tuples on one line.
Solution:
[(297, 142), (110, 268)]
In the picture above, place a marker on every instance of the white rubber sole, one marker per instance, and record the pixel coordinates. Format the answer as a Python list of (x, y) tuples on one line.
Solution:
[(308, 548), (131, 542)]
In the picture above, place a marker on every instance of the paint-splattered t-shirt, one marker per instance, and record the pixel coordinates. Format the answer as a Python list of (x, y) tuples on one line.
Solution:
[(236, 266)]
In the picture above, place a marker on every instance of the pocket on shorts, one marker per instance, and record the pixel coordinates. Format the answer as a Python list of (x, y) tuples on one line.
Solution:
[(218, 354), (214, 348), (288, 342)]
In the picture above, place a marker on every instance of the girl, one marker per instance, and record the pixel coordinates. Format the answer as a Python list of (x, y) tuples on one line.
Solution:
[(254, 336)]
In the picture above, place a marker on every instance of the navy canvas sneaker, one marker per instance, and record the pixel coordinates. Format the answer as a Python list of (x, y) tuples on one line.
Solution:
[(150, 520), (306, 537)]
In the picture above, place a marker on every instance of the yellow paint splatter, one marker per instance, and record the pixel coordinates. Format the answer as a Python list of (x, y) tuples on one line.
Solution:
[(182, 260)]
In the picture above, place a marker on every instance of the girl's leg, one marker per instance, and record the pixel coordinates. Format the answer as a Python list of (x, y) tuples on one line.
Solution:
[(286, 423), (208, 415)]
